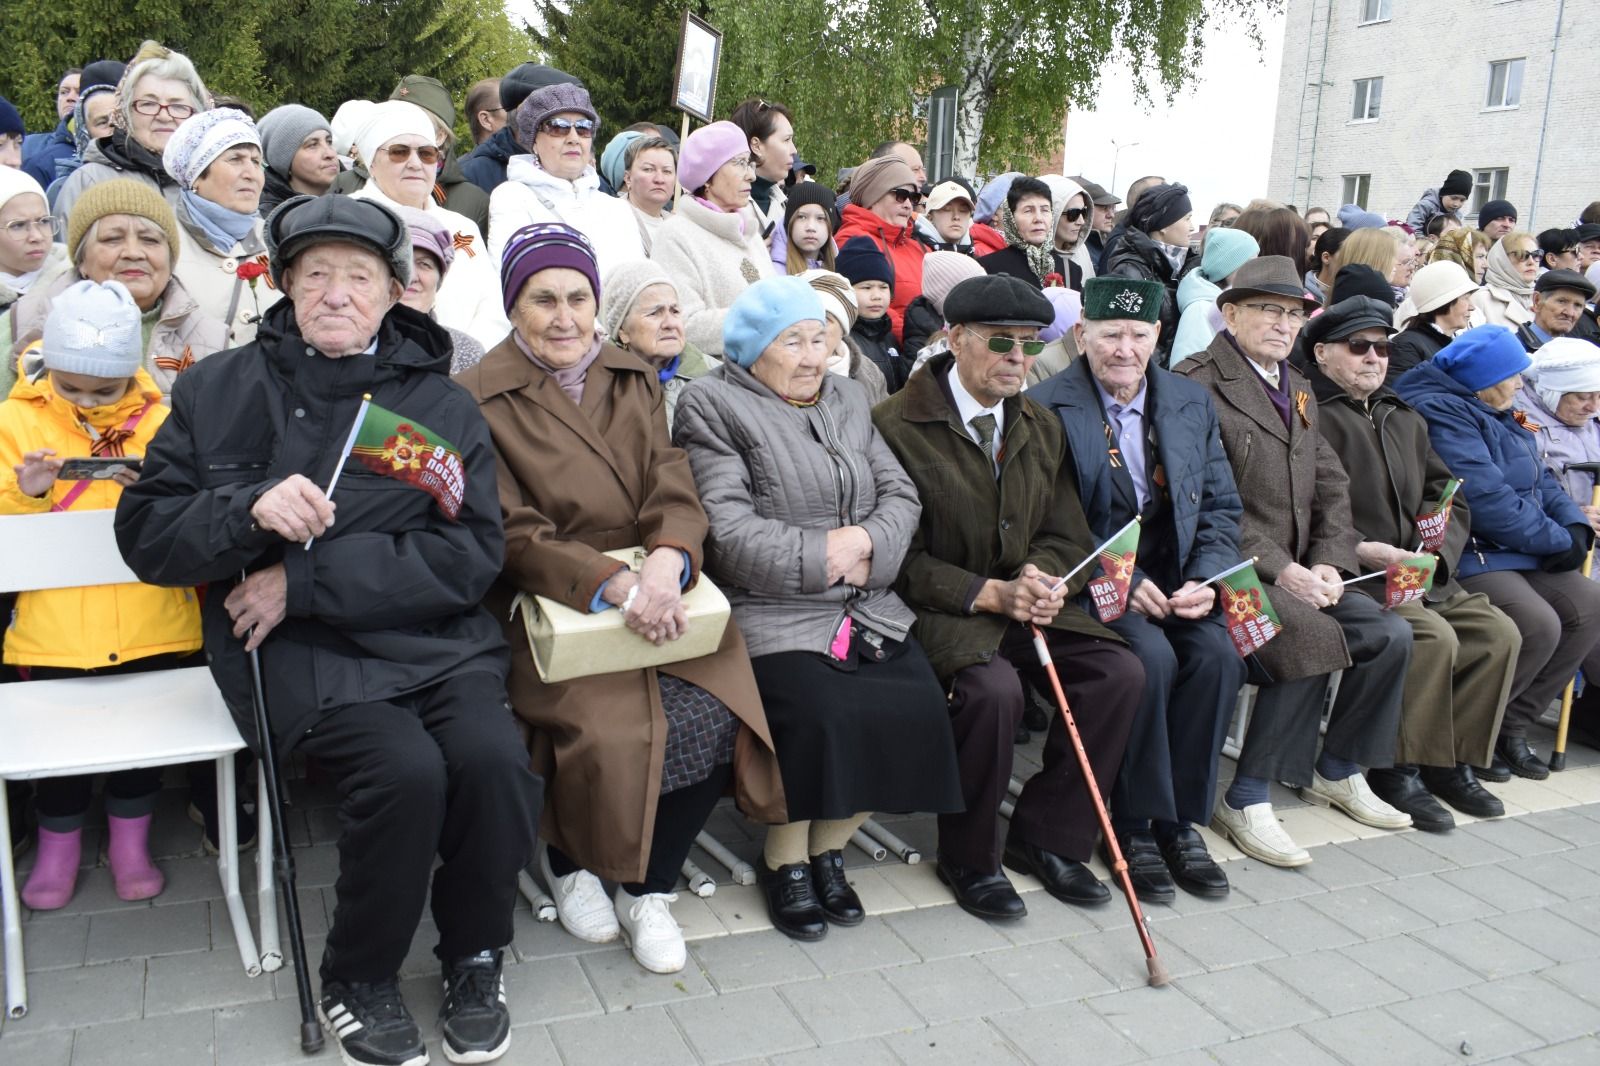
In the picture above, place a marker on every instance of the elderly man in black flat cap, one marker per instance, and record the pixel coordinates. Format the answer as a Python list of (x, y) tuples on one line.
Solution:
[(1145, 443), (379, 660), (1560, 298), (1001, 525)]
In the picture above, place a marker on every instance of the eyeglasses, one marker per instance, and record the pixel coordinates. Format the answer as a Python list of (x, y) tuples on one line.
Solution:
[(1361, 346), (1276, 313), (1002, 345), (1523, 256), (399, 153), (19, 229), (1075, 214), (560, 127), (906, 196), (152, 108)]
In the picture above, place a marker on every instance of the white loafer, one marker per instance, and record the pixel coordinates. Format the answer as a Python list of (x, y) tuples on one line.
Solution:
[(1355, 798), (651, 932), (581, 903), (1257, 832)]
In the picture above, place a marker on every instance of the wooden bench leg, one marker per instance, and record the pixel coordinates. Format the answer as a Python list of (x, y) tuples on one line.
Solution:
[(266, 883), (16, 967), (228, 865)]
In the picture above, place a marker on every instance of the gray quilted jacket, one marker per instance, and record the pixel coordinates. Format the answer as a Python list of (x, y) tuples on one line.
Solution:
[(774, 479)]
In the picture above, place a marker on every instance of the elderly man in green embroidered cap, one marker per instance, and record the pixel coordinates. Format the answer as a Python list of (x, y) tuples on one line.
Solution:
[(1145, 443)]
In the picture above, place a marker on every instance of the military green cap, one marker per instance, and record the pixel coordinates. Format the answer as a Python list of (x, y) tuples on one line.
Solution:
[(1111, 297)]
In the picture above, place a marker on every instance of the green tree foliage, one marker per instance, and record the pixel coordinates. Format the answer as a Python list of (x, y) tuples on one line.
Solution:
[(316, 52)]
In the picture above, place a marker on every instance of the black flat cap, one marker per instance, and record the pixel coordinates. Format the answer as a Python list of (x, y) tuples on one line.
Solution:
[(998, 300), (1097, 193), (521, 81), (1349, 316), (1551, 280), (302, 221)]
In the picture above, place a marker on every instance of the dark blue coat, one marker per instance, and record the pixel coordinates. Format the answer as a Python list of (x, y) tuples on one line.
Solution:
[(1520, 513), (485, 165), (1206, 509), (40, 164)]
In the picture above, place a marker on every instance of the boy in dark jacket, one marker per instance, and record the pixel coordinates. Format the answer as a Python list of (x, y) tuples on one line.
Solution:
[(872, 277)]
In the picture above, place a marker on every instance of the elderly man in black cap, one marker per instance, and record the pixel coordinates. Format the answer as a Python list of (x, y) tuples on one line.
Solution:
[(1145, 443), (379, 661), (1102, 216), (1001, 527), (1497, 218), (1297, 527), (1560, 298)]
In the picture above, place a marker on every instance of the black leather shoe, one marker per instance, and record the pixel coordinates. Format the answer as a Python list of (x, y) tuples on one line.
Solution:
[(983, 895), (1458, 786), (792, 901), (1191, 865), (1498, 770), (1146, 869), (1401, 788), (1066, 879), (1022, 735), (1036, 711), (840, 904), (1521, 759)]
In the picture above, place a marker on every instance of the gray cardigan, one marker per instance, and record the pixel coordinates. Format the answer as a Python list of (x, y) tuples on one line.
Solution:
[(774, 479)]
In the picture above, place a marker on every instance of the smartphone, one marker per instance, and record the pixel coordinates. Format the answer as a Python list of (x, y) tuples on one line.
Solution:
[(98, 468)]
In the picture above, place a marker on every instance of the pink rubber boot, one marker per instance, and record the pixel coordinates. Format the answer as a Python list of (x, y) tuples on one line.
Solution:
[(129, 851), (55, 870)]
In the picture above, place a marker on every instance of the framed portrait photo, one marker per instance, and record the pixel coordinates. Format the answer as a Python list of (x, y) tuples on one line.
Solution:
[(694, 81)]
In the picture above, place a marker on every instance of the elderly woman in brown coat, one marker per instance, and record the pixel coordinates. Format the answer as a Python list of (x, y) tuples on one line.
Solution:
[(1297, 526), (634, 760)]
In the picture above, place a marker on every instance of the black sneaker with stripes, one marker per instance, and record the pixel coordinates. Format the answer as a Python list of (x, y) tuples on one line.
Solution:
[(371, 1024), (473, 1019)]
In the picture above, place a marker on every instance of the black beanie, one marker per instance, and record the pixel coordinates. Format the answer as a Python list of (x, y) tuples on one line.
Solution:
[(1459, 183), (1358, 279), (1496, 209), (862, 260), (810, 192), (1159, 208)]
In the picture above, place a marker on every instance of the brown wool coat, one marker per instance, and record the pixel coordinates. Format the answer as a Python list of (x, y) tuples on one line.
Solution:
[(1296, 500), (574, 482)]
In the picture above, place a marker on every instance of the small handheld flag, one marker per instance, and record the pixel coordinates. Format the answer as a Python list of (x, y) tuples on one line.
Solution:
[(1408, 580), (1109, 592), (1432, 525), (1250, 617)]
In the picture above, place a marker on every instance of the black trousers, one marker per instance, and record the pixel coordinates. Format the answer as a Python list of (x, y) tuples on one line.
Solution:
[(441, 771), (1102, 681), (1192, 677)]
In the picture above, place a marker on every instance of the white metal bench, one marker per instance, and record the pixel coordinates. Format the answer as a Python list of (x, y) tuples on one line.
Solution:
[(100, 724)]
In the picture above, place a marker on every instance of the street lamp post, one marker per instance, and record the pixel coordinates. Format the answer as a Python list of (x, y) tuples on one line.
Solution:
[(1114, 155)]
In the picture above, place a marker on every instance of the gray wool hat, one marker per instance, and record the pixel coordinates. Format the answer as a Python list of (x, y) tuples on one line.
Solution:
[(93, 329), (283, 130), (302, 221), (552, 100)]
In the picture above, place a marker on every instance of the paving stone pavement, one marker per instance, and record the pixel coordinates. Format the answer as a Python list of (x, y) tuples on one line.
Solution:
[(1481, 945)]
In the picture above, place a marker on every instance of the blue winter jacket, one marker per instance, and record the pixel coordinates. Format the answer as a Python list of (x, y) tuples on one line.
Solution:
[(1520, 513), (1206, 509), (485, 165), (40, 163)]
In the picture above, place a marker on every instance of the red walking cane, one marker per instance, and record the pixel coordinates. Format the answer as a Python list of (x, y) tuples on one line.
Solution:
[(1119, 865)]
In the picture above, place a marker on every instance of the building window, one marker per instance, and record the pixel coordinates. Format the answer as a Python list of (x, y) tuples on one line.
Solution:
[(1505, 83), (1356, 187), (1369, 94), (1376, 10), (1489, 185)]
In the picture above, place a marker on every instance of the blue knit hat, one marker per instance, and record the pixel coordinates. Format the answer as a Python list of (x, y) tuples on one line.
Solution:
[(763, 311), (613, 160), (1483, 356), (861, 260), (1226, 251), (1353, 216), (10, 119)]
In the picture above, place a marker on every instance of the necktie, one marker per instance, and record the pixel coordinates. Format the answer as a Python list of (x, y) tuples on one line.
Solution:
[(985, 426)]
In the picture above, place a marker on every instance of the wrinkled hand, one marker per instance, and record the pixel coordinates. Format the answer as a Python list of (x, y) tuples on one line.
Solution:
[(1593, 515), (1304, 585), (1149, 600), (1028, 599), (1375, 555), (1193, 600), (1331, 582), (657, 612), (37, 471), (858, 575), (295, 509), (848, 546), (257, 604)]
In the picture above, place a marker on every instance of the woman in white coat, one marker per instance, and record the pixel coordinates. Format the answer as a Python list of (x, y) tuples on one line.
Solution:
[(397, 144), (556, 182), (215, 157)]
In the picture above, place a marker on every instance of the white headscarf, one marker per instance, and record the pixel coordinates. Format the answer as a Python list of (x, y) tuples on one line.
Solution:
[(388, 120), (1563, 365)]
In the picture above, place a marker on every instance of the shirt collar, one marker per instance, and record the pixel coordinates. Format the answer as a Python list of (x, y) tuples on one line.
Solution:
[(1135, 405), (969, 408)]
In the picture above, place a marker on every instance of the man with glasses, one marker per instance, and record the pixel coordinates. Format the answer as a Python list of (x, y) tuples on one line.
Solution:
[(1297, 528), (1560, 298), (1001, 527), (1145, 444)]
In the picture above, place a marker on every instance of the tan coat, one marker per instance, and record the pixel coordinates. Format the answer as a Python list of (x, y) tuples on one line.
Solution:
[(575, 482), (1296, 500)]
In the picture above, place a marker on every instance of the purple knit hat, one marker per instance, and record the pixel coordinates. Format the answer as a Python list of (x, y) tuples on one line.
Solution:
[(549, 101), (428, 235), (542, 246), (707, 149)]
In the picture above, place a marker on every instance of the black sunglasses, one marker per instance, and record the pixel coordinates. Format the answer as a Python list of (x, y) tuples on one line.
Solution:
[(906, 196), (1076, 214), (1361, 346), (560, 127)]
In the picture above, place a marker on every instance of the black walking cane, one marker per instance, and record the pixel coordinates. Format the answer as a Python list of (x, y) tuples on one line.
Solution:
[(283, 864), (1558, 756)]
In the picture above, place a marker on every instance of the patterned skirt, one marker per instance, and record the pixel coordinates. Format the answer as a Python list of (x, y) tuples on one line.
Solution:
[(700, 733)]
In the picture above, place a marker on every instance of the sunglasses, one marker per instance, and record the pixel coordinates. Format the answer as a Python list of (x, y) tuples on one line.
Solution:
[(1003, 345), (1523, 256), (1361, 346), (560, 127), (906, 196), (1076, 214), (399, 153)]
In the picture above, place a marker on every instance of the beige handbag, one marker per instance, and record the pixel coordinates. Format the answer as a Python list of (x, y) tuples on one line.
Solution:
[(569, 644)]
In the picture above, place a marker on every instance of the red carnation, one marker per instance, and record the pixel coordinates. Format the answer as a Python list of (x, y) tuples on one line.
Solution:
[(251, 270), (1053, 280)]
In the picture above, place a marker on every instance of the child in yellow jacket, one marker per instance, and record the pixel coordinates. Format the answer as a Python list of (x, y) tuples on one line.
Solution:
[(92, 400)]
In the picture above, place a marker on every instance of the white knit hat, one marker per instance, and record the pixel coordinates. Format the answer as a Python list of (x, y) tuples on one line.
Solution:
[(388, 120), (621, 288), (93, 329), (14, 183), (202, 137), (1563, 365), (347, 122)]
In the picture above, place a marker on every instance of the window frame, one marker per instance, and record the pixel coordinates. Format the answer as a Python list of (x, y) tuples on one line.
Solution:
[(1517, 64), (1362, 93), (1488, 183), (1384, 12), (1355, 189)]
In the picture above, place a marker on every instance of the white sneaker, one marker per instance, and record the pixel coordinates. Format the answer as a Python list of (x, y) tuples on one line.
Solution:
[(1257, 832), (650, 931), (581, 903), (1354, 797)]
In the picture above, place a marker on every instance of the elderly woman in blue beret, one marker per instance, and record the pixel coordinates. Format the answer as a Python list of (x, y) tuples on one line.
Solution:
[(811, 516)]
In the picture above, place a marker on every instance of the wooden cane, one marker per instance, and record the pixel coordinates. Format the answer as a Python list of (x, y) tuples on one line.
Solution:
[(1119, 865), (1558, 757)]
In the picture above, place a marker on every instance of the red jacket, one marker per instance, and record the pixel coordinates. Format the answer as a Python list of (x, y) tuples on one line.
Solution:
[(905, 254), (985, 239)]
